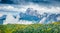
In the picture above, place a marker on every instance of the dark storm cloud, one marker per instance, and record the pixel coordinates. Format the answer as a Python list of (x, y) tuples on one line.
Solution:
[(23, 1), (39, 2), (6, 2)]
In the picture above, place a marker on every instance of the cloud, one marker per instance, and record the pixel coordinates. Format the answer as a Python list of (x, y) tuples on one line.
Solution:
[(49, 6), (10, 8), (24, 2), (58, 18), (40, 8), (11, 20), (1, 15), (51, 9)]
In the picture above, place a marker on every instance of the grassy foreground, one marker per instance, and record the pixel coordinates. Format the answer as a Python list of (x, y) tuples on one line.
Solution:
[(33, 28)]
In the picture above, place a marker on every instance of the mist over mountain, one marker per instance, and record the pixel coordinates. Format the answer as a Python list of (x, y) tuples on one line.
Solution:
[(29, 11), (33, 16)]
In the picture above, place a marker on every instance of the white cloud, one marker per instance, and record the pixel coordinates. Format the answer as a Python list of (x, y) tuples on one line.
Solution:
[(11, 20), (58, 18), (40, 9), (12, 8), (1, 15), (45, 9)]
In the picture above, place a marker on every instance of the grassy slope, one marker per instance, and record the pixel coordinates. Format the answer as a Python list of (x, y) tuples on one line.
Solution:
[(33, 28)]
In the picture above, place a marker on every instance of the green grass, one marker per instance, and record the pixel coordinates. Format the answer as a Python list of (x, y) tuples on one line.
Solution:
[(33, 28)]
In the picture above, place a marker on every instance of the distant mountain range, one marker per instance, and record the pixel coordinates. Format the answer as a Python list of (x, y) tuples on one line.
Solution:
[(33, 15)]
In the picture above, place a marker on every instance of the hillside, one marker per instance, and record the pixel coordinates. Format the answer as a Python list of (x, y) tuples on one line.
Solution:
[(32, 28)]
